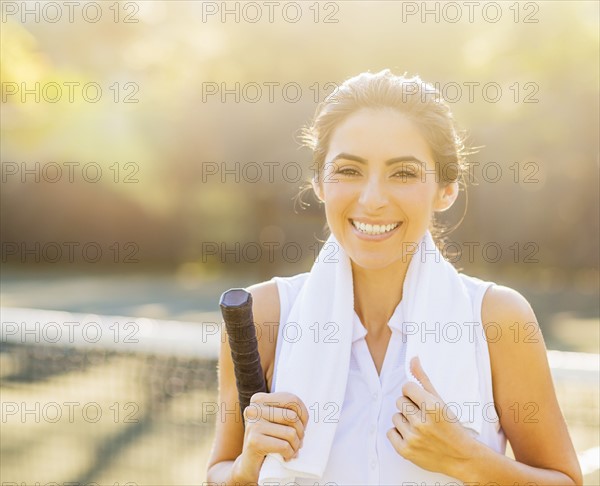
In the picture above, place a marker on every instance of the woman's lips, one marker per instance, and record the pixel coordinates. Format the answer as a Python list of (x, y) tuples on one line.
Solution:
[(374, 237)]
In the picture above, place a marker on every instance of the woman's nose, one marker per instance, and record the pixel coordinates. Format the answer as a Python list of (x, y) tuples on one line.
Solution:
[(373, 194)]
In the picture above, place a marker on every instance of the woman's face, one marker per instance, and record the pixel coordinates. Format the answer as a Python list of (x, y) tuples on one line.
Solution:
[(379, 171)]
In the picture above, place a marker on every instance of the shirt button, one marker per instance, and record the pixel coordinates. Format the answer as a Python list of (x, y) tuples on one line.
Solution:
[(375, 396), (373, 464), (372, 429)]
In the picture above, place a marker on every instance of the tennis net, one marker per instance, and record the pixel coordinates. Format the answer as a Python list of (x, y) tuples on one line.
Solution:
[(129, 401)]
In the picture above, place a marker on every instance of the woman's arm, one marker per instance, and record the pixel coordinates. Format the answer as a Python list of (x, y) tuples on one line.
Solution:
[(226, 465), (526, 402)]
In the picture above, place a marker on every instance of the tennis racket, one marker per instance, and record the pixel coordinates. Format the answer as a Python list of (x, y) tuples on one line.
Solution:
[(236, 308)]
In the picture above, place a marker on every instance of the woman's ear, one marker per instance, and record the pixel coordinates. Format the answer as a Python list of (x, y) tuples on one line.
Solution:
[(317, 187), (446, 196)]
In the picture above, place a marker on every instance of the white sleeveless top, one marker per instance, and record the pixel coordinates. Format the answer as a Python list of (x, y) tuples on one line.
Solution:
[(361, 453)]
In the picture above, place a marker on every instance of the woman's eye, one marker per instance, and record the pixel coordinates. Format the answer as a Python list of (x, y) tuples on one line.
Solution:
[(346, 172), (403, 174)]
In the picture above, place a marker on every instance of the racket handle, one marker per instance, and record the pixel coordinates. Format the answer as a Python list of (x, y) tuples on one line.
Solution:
[(236, 308)]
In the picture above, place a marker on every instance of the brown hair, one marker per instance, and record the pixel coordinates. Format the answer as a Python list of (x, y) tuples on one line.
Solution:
[(419, 101)]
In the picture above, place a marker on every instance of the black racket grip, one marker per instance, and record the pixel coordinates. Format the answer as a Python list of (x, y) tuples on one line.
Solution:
[(236, 308)]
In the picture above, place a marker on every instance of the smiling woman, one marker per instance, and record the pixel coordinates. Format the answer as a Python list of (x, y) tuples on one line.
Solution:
[(412, 401), (385, 174)]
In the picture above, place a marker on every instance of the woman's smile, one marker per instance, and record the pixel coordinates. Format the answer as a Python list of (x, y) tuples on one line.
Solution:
[(373, 232)]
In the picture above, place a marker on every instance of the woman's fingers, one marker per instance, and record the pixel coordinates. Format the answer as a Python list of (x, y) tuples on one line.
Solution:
[(288, 401), (401, 423), (409, 409), (277, 415), (298, 406), (275, 422), (282, 408), (265, 444), (282, 432)]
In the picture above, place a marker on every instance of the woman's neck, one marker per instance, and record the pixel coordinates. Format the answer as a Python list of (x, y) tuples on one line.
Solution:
[(377, 293)]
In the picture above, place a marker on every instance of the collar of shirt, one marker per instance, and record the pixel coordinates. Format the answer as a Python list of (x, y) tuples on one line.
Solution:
[(395, 324)]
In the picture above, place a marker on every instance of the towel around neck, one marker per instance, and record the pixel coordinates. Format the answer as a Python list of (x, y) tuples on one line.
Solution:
[(439, 327)]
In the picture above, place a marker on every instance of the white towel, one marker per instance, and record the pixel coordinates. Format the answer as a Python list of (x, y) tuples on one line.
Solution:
[(314, 358)]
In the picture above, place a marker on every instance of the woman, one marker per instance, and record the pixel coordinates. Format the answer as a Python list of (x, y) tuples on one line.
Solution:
[(387, 158)]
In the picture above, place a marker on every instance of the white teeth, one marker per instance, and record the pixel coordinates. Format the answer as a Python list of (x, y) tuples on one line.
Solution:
[(374, 229)]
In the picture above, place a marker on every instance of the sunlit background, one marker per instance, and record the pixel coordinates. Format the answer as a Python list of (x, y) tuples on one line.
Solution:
[(151, 160)]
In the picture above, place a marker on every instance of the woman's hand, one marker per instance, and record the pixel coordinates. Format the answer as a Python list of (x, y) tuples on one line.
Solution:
[(275, 422), (426, 432)]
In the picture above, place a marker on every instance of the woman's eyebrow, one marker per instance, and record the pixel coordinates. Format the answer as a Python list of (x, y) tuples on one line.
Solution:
[(394, 160)]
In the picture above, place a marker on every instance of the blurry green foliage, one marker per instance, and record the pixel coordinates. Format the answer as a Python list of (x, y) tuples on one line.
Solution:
[(171, 133)]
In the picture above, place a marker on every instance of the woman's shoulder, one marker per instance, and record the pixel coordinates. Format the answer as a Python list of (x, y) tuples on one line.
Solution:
[(474, 283), (292, 280), (271, 296), (267, 295), (500, 305), (268, 298), (512, 332), (265, 302), (505, 305)]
